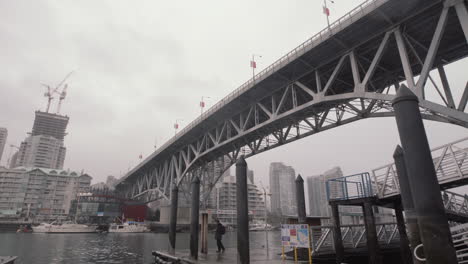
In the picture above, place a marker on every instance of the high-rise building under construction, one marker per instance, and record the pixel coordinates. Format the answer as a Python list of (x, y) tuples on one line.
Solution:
[(3, 138), (44, 146)]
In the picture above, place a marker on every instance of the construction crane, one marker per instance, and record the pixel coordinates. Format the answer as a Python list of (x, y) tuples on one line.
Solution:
[(50, 92), (63, 93)]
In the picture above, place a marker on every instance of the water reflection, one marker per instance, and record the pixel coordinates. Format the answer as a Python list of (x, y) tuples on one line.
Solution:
[(111, 248)]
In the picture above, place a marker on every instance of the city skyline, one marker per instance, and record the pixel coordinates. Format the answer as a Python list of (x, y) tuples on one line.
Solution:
[(112, 100)]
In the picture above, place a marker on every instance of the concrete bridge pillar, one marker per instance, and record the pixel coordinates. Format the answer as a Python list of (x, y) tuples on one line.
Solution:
[(432, 221), (194, 221), (405, 251), (407, 201), (337, 239), (300, 199), (173, 219), (243, 248), (204, 233), (375, 256)]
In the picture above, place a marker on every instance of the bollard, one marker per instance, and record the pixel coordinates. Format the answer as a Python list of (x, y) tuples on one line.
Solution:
[(300, 200), (242, 212), (425, 190), (375, 256), (407, 201), (194, 221), (173, 219), (337, 239)]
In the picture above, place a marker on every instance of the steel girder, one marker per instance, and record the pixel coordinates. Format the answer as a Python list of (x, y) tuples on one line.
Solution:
[(357, 84)]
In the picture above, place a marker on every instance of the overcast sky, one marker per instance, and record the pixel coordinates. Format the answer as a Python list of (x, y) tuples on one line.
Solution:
[(140, 65)]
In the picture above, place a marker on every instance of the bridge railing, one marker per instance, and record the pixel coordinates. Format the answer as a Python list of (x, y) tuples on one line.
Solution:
[(360, 11), (353, 236), (350, 187), (450, 162), (455, 203)]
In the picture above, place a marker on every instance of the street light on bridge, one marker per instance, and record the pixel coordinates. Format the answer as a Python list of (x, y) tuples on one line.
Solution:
[(253, 65), (326, 11), (176, 125), (202, 103)]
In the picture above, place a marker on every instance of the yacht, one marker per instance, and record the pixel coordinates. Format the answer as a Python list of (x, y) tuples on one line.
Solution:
[(66, 227), (128, 227), (259, 227)]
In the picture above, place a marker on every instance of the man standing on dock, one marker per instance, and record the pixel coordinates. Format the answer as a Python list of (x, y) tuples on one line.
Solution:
[(220, 230)]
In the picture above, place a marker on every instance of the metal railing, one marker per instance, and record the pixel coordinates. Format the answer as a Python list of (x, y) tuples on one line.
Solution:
[(349, 187), (460, 242), (455, 203), (451, 164), (357, 13), (353, 236)]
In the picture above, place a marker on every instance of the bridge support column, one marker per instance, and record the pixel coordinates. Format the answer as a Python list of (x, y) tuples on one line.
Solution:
[(371, 233), (432, 221), (243, 248), (204, 233), (337, 239), (300, 199), (173, 219), (194, 221), (407, 201), (405, 251)]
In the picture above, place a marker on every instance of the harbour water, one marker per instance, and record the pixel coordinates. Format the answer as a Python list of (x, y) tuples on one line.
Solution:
[(112, 248)]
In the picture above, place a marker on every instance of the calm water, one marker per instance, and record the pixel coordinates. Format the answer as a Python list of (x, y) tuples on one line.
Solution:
[(106, 248)]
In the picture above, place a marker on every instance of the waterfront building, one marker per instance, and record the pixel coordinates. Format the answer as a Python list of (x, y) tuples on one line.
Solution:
[(44, 147), (38, 193), (226, 200), (3, 139), (283, 189)]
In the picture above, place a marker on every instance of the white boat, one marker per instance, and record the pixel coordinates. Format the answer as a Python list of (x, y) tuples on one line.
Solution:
[(259, 227), (66, 227), (128, 227), (42, 228)]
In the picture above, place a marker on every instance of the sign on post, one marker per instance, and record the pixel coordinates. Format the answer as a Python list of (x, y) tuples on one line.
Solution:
[(295, 236)]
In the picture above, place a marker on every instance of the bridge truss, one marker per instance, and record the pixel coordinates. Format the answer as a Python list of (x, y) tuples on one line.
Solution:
[(343, 74)]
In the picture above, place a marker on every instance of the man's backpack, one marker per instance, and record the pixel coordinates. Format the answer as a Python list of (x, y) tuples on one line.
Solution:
[(222, 230)]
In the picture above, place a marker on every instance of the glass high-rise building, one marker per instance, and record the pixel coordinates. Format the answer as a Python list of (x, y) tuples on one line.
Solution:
[(283, 189)]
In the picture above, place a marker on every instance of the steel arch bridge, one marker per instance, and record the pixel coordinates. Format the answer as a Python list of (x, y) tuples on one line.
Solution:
[(345, 73)]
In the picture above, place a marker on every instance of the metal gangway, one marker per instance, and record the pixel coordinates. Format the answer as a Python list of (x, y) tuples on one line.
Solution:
[(353, 236), (450, 162)]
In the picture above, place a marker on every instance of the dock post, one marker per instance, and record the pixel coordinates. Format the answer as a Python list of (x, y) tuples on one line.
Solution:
[(173, 219), (337, 239), (194, 221), (405, 251), (243, 248), (432, 221), (407, 201), (300, 199), (204, 234), (375, 256)]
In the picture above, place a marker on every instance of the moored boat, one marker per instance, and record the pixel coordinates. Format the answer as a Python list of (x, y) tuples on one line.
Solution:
[(66, 227), (128, 227)]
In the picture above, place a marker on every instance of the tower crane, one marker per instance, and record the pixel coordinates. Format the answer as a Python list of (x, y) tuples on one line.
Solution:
[(63, 94), (50, 92)]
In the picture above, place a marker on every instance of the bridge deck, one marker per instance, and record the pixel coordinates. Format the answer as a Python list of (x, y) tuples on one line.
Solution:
[(362, 28)]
